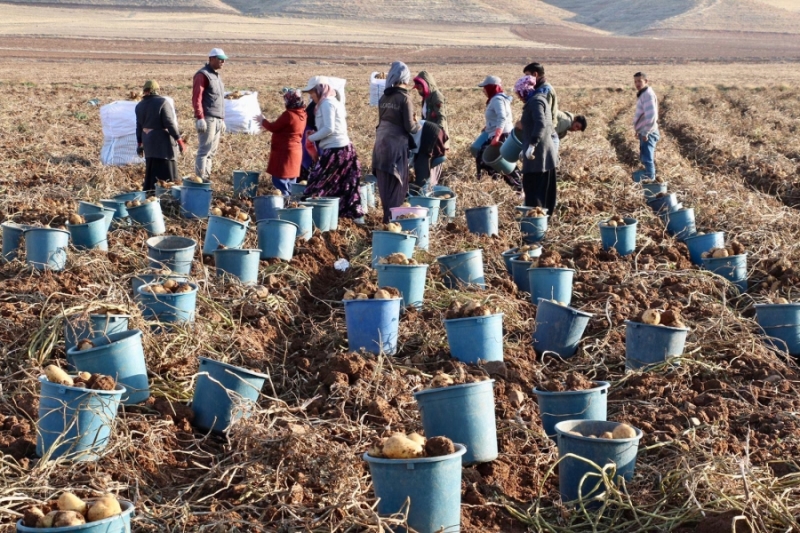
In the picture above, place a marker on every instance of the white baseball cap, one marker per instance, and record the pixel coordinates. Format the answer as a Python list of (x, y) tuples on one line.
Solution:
[(490, 80), (313, 81), (218, 53)]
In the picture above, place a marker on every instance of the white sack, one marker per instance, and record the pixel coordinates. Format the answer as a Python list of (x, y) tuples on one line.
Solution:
[(376, 88), (239, 114), (118, 120)]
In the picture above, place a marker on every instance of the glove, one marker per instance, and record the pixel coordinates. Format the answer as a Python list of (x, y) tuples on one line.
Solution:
[(496, 139), (181, 145), (222, 127), (201, 125), (140, 150), (529, 152)]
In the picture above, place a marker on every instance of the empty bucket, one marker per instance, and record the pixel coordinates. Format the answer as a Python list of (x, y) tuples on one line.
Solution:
[(297, 189), (419, 227), (663, 203), (224, 394), (149, 216), (463, 414), (478, 143), (131, 196), (698, 244), (301, 217), (372, 325), (646, 344), (408, 279), (512, 146), (267, 206), (75, 423), (519, 272), (237, 263), (733, 268), (559, 328), (168, 308), (475, 338), (447, 206), (93, 326), (195, 202), (171, 252), (621, 238), (652, 189), (573, 480), (533, 229), (121, 356), (781, 324), (587, 404), (12, 239), (386, 243), (187, 182), (276, 238), (46, 248), (464, 268), (482, 221), (494, 159), (120, 523), (320, 215), (120, 211), (551, 284), (432, 204), (88, 208), (245, 182), (225, 232), (681, 224), (429, 487), (333, 213), (90, 235)]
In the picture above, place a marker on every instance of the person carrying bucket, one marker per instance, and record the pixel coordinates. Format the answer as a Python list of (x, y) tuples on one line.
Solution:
[(434, 110), (157, 136), (498, 126), (286, 152), (540, 155), (208, 103), (645, 123)]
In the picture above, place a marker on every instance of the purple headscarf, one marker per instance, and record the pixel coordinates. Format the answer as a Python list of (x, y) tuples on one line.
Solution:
[(525, 87)]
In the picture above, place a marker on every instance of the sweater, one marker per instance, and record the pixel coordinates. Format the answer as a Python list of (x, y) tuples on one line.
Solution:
[(331, 122), (434, 108), (537, 130), (498, 114), (156, 129), (645, 118), (564, 123), (208, 94), (286, 150)]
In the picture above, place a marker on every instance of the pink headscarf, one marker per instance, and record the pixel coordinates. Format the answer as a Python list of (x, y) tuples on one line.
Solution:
[(324, 90), (419, 82), (525, 87)]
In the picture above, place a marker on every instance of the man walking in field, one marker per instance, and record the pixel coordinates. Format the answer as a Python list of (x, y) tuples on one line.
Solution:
[(157, 135), (645, 123), (208, 103)]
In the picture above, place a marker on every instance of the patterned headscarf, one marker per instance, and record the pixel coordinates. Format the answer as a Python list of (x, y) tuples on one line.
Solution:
[(292, 97), (525, 87), (398, 74), (324, 91)]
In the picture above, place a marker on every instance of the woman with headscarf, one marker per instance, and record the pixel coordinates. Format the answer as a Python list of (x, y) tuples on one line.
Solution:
[(286, 151), (434, 111), (395, 126), (540, 155), (498, 126), (336, 170)]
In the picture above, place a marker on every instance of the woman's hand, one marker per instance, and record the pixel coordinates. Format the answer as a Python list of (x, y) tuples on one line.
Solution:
[(529, 152), (259, 118)]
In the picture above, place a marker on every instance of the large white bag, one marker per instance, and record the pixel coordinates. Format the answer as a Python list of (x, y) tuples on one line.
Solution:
[(376, 88), (338, 84), (240, 113), (118, 120)]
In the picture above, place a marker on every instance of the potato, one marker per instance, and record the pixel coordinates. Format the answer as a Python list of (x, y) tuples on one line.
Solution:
[(182, 288), (47, 520), (416, 437), (68, 518), (720, 253), (195, 179), (399, 446), (652, 317), (394, 227), (304, 182), (151, 200), (376, 451), (216, 211), (243, 217), (57, 375), (170, 284), (85, 344), (441, 380), (611, 223), (84, 375), (362, 296), (349, 295), (470, 308), (69, 502), (623, 431), (32, 517), (382, 294), (781, 301), (105, 507), (75, 218), (406, 204), (607, 435)]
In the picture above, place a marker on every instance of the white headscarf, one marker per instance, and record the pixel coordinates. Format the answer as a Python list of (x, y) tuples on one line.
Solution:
[(398, 74)]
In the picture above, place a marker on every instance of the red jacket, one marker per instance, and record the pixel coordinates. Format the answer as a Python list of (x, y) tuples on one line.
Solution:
[(286, 152)]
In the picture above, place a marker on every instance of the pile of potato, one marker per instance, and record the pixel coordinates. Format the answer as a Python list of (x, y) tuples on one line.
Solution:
[(229, 211), (445, 196), (234, 95), (622, 431), (734, 248), (137, 203), (83, 380), (397, 258), (70, 510), (412, 446), (75, 219), (470, 309), (536, 212), (170, 286), (407, 216), (654, 317), (614, 221), (779, 274), (194, 179), (380, 76), (295, 205), (525, 252), (394, 227), (367, 291)]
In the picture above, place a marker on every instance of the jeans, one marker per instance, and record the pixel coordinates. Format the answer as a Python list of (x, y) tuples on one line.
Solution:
[(207, 144), (283, 185), (647, 153)]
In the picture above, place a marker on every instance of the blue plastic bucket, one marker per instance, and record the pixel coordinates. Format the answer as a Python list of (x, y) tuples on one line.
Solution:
[(621, 238), (464, 268), (494, 159), (508, 255), (386, 243), (559, 328), (237, 263), (681, 223), (205, 184), (131, 196), (74, 423), (408, 279), (781, 324), (428, 487), (652, 189), (699, 244), (149, 216), (80, 326), (587, 404), (168, 308), (175, 190), (333, 213), (478, 143), (46, 248), (223, 231), (512, 146), (417, 226), (482, 220), (442, 188), (245, 182), (139, 280), (646, 344), (533, 229), (267, 206), (301, 217), (91, 235), (224, 394), (551, 284), (663, 203), (475, 338), (372, 182), (297, 189), (447, 206), (572, 472), (463, 414), (372, 325), (276, 238), (195, 202), (12, 239), (733, 268), (519, 273), (320, 215), (88, 208), (120, 523), (171, 252), (433, 205), (120, 211), (121, 356)]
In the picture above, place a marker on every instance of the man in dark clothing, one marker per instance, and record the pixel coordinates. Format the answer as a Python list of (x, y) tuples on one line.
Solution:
[(157, 134), (208, 103)]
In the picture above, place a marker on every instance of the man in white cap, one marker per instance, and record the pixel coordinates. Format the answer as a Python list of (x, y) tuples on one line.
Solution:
[(208, 103)]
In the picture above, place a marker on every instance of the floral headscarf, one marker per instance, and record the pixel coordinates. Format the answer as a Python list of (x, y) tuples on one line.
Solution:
[(292, 97), (324, 91), (525, 87)]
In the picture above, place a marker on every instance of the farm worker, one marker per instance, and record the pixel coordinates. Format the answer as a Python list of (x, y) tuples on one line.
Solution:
[(431, 141), (499, 124), (392, 142), (542, 85), (208, 103), (286, 151), (645, 123), (540, 155), (157, 135), (568, 122), (433, 110), (311, 126), (336, 170)]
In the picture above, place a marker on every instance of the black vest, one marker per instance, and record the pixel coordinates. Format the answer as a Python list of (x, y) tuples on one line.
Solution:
[(214, 94)]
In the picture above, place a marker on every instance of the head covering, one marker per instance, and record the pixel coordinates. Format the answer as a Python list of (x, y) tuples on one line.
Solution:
[(292, 98), (422, 84), (313, 81), (152, 86), (398, 74), (323, 90), (490, 80), (525, 87), (218, 53), (492, 91)]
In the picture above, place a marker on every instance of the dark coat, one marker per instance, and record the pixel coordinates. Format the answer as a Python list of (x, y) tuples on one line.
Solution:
[(156, 129), (537, 130), (396, 113), (286, 150), (434, 104)]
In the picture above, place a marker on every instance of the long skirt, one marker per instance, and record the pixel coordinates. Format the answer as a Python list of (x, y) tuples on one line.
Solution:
[(540, 189), (392, 191), (158, 170), (336, 174)]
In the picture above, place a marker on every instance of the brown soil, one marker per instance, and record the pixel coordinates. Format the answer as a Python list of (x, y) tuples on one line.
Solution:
[(573, 382)]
